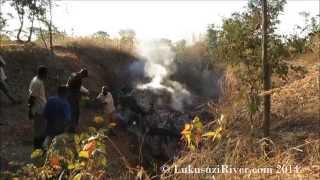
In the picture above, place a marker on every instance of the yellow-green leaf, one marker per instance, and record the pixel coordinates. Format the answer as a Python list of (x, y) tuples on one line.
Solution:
[(71, 166), (188, 137), (77, 139), (84, 154), (36, 153), (196, 119), (77, 177), (192, 147), (197, 123), (209, 134), (80, 176), (218, 136), (219, 130)]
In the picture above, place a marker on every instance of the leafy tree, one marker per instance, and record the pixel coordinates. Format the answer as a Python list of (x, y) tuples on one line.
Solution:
[(2, 22), (43, 35), (305, 15), (127, 39), (46, 19), (35, 9), (29, 9), (20, 7), (300, 40), (315, 25), (101, 35), (180, 50), (2, 19), (212, 41), (238, 43)]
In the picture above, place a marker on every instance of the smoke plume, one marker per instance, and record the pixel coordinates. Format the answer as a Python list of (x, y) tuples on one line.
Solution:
[(158, 66)]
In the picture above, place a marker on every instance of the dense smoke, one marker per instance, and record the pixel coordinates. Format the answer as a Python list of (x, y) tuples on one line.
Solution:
[(158, 66)]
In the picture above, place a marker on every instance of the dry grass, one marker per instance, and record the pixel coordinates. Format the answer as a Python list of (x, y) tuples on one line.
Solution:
[(89, 41), (294, 137), (300, 98), (244, 151)]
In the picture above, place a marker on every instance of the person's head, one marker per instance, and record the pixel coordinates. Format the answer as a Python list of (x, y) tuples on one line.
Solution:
[(83, 73), (42, 72), (62, 91), (105, 90)]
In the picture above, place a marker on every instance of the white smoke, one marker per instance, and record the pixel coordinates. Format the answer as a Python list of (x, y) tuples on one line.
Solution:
[(158, 73), (159, 66)]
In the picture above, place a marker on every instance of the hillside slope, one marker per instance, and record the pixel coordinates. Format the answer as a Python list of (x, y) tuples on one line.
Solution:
[(105, 66), (294, 137)]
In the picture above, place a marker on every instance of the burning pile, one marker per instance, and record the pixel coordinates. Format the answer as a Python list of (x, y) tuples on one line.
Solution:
[(158, 66), (158, 107)]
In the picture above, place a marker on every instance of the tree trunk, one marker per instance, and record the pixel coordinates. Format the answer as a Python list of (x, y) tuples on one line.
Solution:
[(20, 30), (43, 39), (266, 71), (31, 29), (50, 37), (21, 19), (50, 28)]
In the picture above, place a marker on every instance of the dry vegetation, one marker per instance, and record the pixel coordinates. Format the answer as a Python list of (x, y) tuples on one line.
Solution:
[(294, 138), (295, 112)]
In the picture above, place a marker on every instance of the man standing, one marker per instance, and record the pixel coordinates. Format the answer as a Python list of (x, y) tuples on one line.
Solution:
[(57, 113), (3, 84), (75, 89), (36, 103), (105, 97)]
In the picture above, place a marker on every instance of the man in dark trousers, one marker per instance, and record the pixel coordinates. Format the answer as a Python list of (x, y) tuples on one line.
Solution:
[(36, 102), (57, 113), (75, 90)]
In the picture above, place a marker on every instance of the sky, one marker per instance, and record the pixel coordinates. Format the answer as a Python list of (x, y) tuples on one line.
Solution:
[(175, 20)]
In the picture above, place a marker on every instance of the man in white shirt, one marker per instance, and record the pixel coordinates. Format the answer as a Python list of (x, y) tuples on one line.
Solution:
[(3, 84), (37, 101), (105, 97)]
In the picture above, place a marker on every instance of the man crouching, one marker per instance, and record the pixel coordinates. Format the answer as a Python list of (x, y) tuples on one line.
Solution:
[(105, 97), (58, 114)]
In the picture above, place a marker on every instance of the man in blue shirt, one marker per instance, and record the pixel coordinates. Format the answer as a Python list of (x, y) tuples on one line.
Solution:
[(57, 112)]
